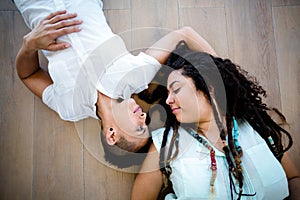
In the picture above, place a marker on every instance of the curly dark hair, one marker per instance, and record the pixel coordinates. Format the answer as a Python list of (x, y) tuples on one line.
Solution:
[(243, 101)]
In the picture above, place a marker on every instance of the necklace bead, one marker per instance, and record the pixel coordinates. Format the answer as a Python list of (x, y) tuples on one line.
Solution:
[(213, 162)]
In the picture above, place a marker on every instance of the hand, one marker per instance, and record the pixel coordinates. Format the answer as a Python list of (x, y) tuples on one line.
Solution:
[(44, 35)]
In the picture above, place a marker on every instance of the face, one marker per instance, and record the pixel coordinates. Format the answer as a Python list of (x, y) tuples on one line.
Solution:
[(187, 104), (130, 122)]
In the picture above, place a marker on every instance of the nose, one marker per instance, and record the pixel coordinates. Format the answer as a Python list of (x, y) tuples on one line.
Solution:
[(143, 117), (170, 99), (131, 101)]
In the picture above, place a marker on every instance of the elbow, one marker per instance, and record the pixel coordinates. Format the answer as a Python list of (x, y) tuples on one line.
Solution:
[(23, 75), (186, 31)]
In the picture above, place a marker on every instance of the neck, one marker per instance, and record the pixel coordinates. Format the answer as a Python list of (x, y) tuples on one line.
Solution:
[(104, 107), (210, 130)]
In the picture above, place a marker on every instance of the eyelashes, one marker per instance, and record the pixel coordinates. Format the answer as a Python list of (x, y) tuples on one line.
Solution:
[(119, 100), (176, 90)]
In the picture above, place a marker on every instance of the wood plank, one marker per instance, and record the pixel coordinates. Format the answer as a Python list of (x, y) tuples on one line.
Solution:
[(200, 3), (116, 4), (16, 116), (285, 2), (151, 20), (120, 23), (103, 182), (210, 23), (251, 42), (58, 157), (287, 32), (7, 5)]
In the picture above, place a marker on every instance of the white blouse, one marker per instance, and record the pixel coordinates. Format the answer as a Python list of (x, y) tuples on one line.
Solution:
[(191, 173)]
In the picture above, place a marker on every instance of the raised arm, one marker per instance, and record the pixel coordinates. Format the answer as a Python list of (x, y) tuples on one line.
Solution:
[(162, 48), (43, 37)]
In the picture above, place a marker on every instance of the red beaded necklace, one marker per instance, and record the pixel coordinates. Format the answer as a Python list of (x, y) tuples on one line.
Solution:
[(213, 163)]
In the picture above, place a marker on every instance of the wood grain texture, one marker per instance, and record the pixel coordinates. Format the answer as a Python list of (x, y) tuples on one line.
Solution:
[(58, 156), (105, 182), (209, 23), (287, 33), (276, 3), (7, 5), (119, 4), (16, 115), (251, 43), (120, 23), (43, 157), (151, 20), (200, 3)]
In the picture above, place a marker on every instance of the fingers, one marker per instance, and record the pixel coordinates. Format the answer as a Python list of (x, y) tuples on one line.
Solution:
[(61, 23), (51, 15), (50, 28), (63, 31), (61, 17), (58, 46), (66, 23)]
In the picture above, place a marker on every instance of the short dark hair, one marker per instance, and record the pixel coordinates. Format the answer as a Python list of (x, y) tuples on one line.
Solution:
[(122, 154)]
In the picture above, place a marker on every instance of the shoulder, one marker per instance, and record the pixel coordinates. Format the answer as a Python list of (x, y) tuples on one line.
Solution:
[(157, 137), (248, 134)]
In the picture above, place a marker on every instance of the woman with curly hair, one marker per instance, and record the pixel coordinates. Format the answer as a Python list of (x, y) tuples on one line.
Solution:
[(219, 142)]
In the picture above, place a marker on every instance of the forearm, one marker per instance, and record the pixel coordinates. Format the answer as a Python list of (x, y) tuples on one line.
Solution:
[(197, 42), (293, 176), (29, 71), (149, 180), (162, 48), (27, 62), (294, 188)]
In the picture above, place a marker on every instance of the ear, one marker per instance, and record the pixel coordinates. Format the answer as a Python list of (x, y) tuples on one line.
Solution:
[(111, 136)]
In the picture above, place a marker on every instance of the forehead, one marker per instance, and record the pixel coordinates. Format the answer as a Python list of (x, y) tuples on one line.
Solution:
[(177, 77)]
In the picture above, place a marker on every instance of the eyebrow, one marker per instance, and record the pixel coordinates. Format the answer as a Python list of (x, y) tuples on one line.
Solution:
[(173, 83)]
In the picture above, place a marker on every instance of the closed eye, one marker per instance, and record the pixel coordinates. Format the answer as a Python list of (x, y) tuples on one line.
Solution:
[(119, 100), (176, 90)]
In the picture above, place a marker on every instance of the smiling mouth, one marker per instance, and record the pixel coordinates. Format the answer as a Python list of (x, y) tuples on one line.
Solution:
[(175, 109), (138, 108)]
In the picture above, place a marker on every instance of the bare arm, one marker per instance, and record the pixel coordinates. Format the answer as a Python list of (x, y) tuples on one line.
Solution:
[(43, 37), (148, 182), (292, 176), (162, 48)]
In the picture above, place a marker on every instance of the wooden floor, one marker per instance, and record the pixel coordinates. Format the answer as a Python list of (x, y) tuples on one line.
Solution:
[(42, 157)]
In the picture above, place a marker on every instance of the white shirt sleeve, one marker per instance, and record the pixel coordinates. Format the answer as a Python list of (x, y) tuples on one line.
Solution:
[(128, 75), (58, 102)]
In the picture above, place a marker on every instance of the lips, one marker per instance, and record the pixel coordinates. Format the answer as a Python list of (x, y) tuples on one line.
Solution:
[(174, 110), (138, 108)]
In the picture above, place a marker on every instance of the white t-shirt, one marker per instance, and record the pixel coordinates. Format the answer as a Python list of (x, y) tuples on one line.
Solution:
[(97, 60), (191, 173)]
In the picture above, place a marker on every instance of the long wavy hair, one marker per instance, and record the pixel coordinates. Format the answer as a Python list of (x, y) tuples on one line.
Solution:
[(243, 102)]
